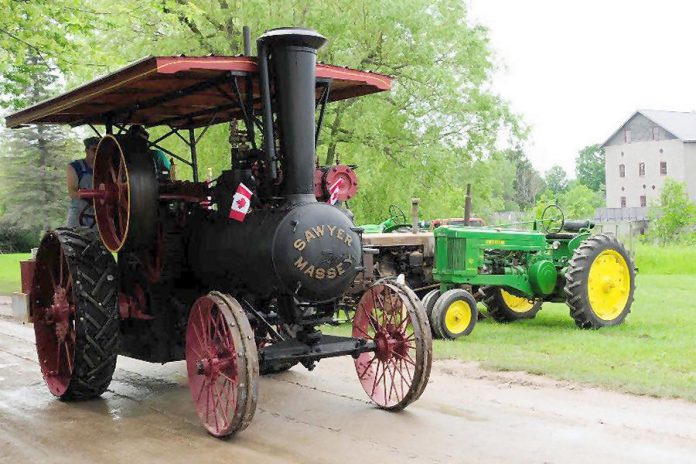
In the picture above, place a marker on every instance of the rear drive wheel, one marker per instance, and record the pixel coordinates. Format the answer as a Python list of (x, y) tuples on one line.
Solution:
[(74, 307), (222, 364), (454, 315), (600, 282), (503, 306)]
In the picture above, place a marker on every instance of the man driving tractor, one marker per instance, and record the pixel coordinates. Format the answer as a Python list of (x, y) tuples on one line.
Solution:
[(79, 176)]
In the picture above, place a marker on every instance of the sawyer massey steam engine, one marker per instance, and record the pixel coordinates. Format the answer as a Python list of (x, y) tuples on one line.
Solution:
[(234, 275), (289, 246)]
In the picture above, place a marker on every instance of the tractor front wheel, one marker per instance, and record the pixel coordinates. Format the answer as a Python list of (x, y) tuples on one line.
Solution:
[(429, 303), (503, 306), (222, 364), (390, 315), (454, 315), (600, 282)]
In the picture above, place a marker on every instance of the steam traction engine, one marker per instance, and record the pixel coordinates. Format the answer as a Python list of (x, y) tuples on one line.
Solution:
[(196, 277)]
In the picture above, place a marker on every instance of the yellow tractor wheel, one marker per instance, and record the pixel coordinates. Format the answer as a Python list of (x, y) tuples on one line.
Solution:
[(454, 315), (504, 306), (600, 282)]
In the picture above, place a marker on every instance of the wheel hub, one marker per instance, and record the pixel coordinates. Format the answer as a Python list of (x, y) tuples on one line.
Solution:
[(390, 341), (212, 367), (59, 313)]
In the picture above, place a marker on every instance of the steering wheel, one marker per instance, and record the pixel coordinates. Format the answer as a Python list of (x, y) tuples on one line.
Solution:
[(397, 215), (84, 216), (552, 219)]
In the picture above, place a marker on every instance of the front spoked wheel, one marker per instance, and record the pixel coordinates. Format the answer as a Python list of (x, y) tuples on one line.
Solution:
[(392, 317), (222, 364)]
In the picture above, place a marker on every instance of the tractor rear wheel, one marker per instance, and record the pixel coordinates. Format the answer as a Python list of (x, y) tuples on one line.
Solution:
[(454, 315), (222, 364), (503, 306), (600, 282), (74, 306)]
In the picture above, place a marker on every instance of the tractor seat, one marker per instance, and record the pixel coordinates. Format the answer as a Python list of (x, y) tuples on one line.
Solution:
[(576, 226)]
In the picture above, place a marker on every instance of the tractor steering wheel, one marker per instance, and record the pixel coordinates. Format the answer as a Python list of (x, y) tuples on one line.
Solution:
[(552, 219), (397, 215)]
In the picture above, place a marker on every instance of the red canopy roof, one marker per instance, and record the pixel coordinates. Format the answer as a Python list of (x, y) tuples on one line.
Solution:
[(179, 91)]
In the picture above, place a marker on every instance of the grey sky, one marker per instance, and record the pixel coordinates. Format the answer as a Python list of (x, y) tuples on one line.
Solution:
[(577, 70)]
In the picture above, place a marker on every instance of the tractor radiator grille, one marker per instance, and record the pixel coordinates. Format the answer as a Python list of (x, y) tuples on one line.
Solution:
[(456, 256)]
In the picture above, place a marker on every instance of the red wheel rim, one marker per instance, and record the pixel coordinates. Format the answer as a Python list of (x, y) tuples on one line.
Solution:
[(211, 360), (112, 209), (53, 311), (394, 373)]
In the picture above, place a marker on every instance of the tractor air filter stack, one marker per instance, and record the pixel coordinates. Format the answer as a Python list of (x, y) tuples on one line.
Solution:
[(292, 57)]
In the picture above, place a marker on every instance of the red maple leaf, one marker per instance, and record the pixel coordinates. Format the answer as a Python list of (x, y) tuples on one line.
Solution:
[(241, 202)]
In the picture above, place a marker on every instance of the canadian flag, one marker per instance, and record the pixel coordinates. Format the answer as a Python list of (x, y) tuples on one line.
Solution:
[(333, 191), (240, 203)]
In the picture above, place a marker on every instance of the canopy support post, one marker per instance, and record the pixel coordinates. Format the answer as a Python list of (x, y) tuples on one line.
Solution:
[(194, 155), (323, 100)]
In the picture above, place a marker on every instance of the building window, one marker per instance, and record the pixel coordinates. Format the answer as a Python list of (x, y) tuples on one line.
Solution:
[(627, 135), (641, 169), (622, 170), (663, 168), (643, 201), (656, 133), (623, 202)]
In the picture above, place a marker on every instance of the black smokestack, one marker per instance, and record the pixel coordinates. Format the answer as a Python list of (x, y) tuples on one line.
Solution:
[(292, 55)]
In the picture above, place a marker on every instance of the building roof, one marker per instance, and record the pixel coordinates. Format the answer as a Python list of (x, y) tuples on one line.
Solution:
[(679, 123)]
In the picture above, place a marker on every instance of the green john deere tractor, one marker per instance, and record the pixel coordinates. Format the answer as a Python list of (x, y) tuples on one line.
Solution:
[(514, 272)]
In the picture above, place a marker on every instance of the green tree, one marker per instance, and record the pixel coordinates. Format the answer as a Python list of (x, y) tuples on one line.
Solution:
[(32, 179), (556, 179), (47, 31), (577, 202), (528, 183), (589, 167), (417, 140), (672, 214)]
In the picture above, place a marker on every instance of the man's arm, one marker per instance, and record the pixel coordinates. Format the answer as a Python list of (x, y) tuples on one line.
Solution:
[(73, 182)]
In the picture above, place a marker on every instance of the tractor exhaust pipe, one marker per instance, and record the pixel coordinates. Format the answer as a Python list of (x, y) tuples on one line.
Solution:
[(290, 55)]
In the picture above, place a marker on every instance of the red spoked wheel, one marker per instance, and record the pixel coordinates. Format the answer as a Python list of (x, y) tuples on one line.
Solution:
[(112, 209), (125, 192), (73, 306), (392, 317), (54, 320), (222, 364)]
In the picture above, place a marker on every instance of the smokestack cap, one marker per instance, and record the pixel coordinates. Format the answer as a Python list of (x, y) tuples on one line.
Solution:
[(294, 36)]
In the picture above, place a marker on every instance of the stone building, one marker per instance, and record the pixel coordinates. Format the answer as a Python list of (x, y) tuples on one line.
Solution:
[(645, 150)]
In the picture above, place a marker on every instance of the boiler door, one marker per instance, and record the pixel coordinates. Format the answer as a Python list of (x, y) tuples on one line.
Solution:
[(315, 253)]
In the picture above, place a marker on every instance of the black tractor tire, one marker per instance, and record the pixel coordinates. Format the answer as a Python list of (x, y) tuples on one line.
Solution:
[(501, 311), (448, 302), (578, 287), (97, 317)]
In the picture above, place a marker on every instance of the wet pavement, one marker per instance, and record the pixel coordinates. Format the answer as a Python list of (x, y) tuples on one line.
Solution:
[(465, 415)]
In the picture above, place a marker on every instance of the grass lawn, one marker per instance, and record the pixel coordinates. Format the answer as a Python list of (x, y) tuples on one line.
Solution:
[(653, 353), (9, 272)]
